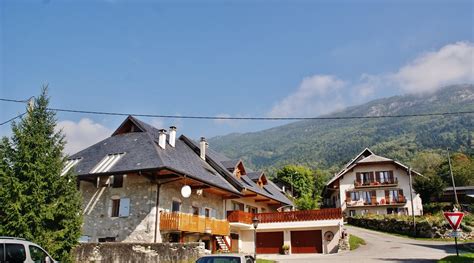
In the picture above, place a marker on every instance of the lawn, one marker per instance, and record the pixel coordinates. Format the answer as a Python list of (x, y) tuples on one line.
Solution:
[(468, 258), (259, 260), (355, 242)]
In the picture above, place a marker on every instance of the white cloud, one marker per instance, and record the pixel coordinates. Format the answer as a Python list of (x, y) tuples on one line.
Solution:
[(452, 64), (315, 95), (82, 134)]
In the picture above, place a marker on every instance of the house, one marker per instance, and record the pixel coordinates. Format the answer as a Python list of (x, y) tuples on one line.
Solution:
[(143, 184), (465, 195), (373, 184)]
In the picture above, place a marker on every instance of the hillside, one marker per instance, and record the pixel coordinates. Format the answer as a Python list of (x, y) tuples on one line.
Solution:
[(330, 143)]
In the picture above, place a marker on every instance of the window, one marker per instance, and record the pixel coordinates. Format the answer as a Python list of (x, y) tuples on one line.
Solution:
[(352, 212), (252, 209), (176, 206), (207, 212), (195, 210), (174, 237), (115, 207), (366, 197), (106, 239), (38, 255), (117, 181), (238, 206), (384, 177), (2, 254), (393, 195), (15, 253), (365, 178), (355, 196)]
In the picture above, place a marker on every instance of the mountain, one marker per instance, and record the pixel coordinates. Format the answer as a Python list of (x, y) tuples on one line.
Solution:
[(330, 143)]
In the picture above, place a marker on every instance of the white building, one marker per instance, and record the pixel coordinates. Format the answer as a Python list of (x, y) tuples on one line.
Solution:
[(373, 184)]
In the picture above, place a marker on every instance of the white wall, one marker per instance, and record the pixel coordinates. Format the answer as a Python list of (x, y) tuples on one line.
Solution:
[(347, 183)]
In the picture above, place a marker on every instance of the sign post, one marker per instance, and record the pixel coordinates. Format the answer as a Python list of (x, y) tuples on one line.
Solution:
[(454, 219)]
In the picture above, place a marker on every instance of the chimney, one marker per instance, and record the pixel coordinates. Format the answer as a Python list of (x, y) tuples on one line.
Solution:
[(162, 139), (202, 147), (172, 139)]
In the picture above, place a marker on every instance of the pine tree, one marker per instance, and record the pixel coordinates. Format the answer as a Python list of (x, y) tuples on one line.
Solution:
[(36, 202)]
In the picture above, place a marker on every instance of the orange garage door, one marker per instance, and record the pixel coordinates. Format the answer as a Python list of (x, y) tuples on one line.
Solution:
[(269, 242), (306, 241)]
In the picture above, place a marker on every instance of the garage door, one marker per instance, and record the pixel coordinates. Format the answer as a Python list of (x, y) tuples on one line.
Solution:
[(269, 242), (306, 241)]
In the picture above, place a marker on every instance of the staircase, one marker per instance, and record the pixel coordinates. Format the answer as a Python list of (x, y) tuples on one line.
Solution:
[(223, 244)]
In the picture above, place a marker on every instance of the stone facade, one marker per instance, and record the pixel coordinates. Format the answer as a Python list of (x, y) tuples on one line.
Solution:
[(138, 226)]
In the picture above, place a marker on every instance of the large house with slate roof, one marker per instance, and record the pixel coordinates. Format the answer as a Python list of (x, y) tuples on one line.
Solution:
[(133, 188), (370, 183)]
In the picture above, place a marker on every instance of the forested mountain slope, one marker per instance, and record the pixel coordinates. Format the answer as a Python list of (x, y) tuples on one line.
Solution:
[(330, 143)]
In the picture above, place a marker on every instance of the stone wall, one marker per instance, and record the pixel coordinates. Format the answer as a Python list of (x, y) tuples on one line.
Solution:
[(138, 226), (137, 252)]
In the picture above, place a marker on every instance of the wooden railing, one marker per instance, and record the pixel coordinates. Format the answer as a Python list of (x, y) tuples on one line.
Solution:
[(372, 184), (292, 216), (383, 202), (193, 223), (239, 217)]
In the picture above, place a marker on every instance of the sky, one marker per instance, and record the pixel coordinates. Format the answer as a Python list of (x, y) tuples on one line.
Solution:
[(224, 58)]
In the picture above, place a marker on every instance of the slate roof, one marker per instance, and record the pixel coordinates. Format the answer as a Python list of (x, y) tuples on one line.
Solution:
[(143, 153), (254, 175), (230, 164)]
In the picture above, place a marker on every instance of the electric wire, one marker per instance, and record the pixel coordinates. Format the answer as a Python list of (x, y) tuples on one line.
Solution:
[(246, 118), (12, 119)]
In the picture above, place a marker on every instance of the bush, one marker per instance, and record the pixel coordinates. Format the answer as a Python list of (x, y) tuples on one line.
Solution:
[(433, 208)]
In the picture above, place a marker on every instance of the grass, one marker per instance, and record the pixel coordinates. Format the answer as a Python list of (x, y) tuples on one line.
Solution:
[(259, 260), (468, 258), (355, 242)]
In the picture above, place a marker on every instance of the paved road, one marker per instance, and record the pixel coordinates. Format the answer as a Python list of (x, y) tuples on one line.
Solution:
[(380, 248)]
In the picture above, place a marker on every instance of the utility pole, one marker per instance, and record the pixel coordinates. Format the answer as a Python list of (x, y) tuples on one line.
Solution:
[(452, 178), (412, 205)]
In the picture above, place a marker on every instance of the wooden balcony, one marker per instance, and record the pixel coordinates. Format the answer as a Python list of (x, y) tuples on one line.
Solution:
[(193, 223), (376, 184), (278, 217), (400, 201), (239, 217)]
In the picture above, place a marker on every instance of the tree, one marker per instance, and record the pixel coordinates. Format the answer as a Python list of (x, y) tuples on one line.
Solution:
[(37, 203), (430, 187), (463, 170), (303, 183), (298, 178)]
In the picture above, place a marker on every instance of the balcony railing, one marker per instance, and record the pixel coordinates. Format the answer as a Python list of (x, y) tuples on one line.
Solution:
[(400, 200), (372, 184), (193, 223), (278, 217)]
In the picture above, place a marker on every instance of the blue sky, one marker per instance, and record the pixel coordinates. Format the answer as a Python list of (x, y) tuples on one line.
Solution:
[(225, 58)]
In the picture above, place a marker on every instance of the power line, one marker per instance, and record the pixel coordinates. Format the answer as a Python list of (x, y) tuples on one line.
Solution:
[(247, 118), (16, 117)]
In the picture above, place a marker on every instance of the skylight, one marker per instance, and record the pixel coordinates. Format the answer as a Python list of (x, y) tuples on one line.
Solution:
[(69, 165), (107, 163)]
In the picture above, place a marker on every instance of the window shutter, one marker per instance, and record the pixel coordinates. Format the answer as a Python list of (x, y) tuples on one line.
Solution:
[(387, 196), (348, 196), (390, 176), (371, 176), (400, 195), (358, 177), (124, 210), (373, 193), (213, 213)]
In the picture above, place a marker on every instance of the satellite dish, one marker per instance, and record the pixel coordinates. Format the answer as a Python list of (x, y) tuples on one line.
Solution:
[(186, 191)]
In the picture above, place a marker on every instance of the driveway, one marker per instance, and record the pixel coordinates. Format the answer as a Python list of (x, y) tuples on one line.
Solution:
[(380, 248)]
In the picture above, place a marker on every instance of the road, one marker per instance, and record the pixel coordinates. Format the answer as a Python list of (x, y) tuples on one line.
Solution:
[(380, 248)]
